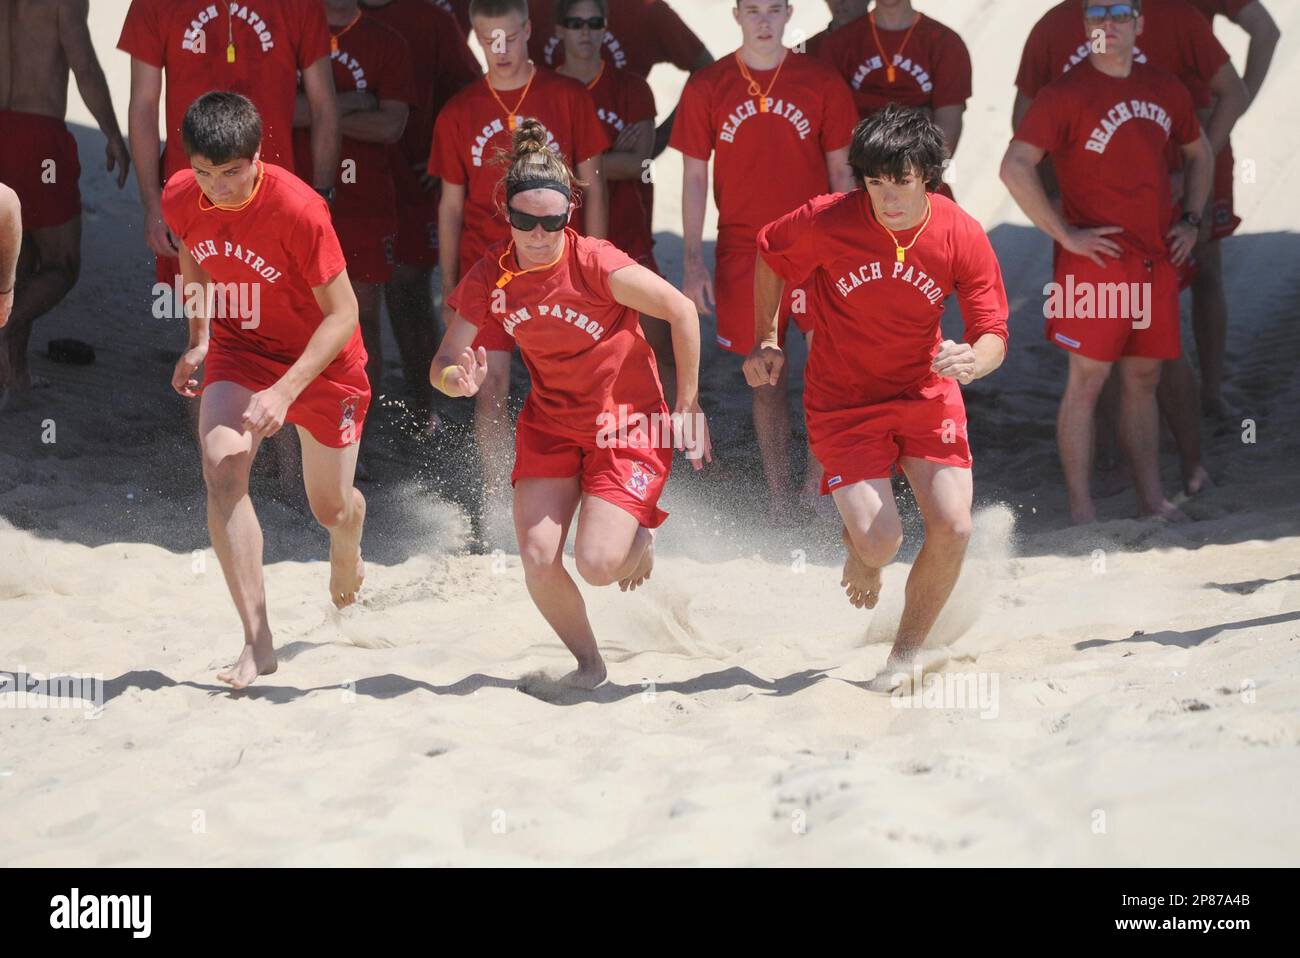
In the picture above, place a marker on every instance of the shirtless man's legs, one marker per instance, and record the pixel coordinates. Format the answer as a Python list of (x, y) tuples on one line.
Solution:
[(47, 271), (228, 453)]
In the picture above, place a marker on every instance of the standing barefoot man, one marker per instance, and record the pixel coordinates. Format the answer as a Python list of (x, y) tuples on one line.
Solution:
[(882, 385), (253, 234)]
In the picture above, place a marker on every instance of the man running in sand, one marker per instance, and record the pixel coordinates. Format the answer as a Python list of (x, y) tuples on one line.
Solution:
[(593, 430), (882, 386), (254, 232), (1108, 125), (41, 41)]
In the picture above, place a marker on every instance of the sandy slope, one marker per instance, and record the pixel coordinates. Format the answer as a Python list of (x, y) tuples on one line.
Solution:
[(1141, 688)]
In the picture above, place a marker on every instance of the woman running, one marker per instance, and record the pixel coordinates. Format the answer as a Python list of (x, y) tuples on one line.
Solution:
[(595, 428)]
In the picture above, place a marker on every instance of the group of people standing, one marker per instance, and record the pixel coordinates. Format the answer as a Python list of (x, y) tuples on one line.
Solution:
[(335, 152)]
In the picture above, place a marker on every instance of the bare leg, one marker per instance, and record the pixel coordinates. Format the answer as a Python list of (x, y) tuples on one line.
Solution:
[(1075, 432), (492, 432), (338, 506), (872, 534), (1139, 436), (772, 426), (228, 454), (1176, 396), (1210, 325), (544, 509), (612, 546), (415, 327), (48, 268), (944, 495)]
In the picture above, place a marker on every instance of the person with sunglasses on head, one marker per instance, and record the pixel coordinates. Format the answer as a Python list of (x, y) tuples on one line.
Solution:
[(477, 122), (444, 65), (843, 12), (896, 54), (791, 112), (626, 106), (594, 431), (882, 386), (252, 231), (1107, 125), (1173, 36)]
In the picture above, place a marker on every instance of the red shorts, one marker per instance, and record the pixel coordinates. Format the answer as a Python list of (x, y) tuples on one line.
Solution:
[(367, 244), (332, 408), (733, 287), (1225, 219), (38, 161), (417, 218), (1129, 307), (631, 478), (866, 442)]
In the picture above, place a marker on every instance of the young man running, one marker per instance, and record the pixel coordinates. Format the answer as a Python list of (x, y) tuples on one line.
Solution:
[(882, 387), (253, 232), (762, 112)]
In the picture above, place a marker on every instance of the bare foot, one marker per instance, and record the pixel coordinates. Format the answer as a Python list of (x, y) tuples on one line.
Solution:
[(903, 672), (861, 581), (1166, 512), (347, 569), (1083, 514), (1199, 481), (642, 570), (589, 676), (255, 660)]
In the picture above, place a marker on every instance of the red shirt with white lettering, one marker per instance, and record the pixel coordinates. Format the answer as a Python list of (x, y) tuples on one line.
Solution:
[(279, 247), (931, 66), (623, 99), (1175, 38), (1107, 137), (769, 162), (584, 350), (472, 129), (188, 41), (876, 320), (373, 58), (639, 34)]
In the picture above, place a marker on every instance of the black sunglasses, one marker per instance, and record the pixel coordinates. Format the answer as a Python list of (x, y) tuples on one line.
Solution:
[(1118, 13), (577, 23), (527, 222)]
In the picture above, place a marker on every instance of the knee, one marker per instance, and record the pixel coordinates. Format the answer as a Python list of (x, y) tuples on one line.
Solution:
[(954, 530), (330, 511), (878, 543), (1144, 377), (226, 478), (597, 567), (1088, 386)]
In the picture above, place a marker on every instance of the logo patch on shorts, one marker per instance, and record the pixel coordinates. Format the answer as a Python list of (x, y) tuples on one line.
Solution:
[(1066, 340), (349, 412), (639, 483), (834, 481)]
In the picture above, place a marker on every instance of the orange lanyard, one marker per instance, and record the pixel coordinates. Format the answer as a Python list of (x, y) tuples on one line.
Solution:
[(334, 37), (510, 114), (754, 88), (508, 274), (230, 35), (889, 71), (261, 172), (599, 73), (899, 249)]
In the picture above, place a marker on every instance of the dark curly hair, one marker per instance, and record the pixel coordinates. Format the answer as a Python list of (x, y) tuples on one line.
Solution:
[(898, 142)]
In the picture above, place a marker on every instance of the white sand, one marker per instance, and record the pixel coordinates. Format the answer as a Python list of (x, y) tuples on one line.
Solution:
[(1146, 678)]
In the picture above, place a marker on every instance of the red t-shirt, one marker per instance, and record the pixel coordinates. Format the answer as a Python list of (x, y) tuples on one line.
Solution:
[(1227, 8), (623, 99), (584, 350), (283, 242), (374, 58), (639, 34), (1176, 39), (932, 70), (876, 320), (442, 61), (187, 40), (767, 163), (472, 129), (1107, 137)]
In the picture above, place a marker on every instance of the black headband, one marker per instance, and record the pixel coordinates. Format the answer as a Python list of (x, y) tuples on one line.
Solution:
[(524, 185)]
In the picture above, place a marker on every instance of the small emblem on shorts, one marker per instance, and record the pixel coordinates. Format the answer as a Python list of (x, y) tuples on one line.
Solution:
[(1072, 343), (642, 476), (349, 412), (834, 481)]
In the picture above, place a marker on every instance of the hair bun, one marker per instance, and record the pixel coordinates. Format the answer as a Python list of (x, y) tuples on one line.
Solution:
[(529, 137)]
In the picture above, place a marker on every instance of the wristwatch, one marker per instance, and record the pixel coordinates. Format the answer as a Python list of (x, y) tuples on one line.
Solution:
[(327, 194), (1193, 218)]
